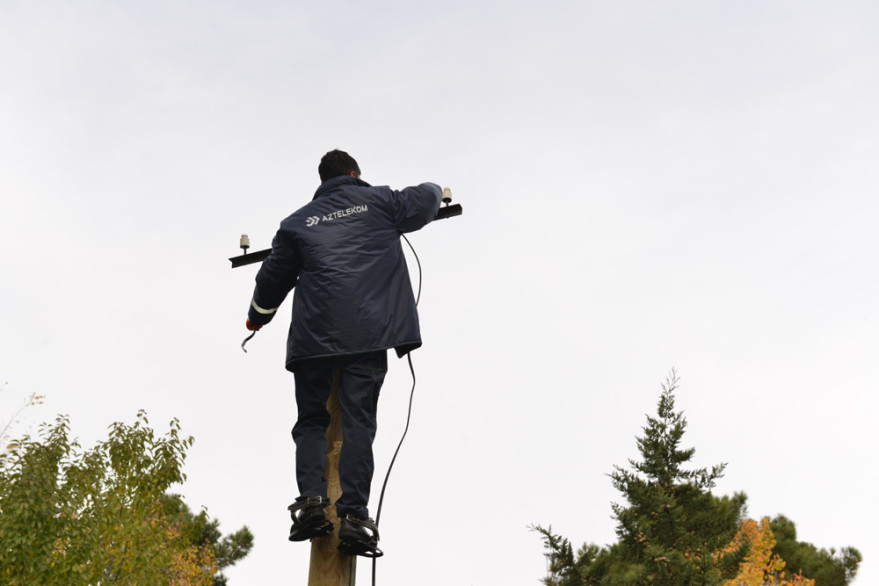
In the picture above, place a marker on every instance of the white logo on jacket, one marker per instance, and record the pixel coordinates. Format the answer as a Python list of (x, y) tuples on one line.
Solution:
[(313, 220)]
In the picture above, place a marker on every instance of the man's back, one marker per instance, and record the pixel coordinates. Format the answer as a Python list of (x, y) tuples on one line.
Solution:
[(353, 293)]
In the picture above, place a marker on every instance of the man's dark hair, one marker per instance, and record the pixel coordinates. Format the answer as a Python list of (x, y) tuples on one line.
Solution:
[(336, 163)]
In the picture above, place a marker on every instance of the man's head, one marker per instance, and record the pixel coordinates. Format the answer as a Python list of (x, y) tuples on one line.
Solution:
[(336, 163)]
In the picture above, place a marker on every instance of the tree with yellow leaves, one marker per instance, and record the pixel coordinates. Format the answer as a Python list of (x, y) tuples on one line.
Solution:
[(761, 567)]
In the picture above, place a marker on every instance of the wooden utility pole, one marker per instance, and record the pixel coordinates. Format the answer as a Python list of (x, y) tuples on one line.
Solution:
[(328, 566)]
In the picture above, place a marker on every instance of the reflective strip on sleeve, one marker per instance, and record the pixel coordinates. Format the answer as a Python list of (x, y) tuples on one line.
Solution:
[(261, 310)]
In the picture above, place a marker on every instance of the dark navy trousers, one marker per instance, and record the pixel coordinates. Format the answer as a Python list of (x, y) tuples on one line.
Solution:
[(360, 378)]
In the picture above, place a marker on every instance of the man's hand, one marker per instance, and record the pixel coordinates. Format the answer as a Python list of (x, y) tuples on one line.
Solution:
[(252, 327)]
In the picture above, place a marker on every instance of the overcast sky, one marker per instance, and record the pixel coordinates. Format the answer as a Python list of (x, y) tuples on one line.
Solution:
[(646, 186)]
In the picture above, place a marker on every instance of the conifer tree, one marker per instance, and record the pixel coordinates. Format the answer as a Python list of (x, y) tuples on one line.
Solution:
[(827, 567), (672, 526), (673, 531)]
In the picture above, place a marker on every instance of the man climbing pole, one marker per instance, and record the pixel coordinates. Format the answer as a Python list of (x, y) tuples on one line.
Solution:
[(353, 301)]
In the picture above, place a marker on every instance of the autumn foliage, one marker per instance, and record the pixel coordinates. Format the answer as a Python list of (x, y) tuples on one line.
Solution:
[(761, 567)]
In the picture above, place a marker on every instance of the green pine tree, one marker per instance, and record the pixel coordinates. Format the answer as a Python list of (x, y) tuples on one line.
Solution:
[(672, 525), (673, 531), (827, 568)]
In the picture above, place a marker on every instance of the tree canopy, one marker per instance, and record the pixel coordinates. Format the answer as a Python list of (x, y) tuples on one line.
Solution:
[(199, 530), (673, 531), (828, 567), (102, 516)]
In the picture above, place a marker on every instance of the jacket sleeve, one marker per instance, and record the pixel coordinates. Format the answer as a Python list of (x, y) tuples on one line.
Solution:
[(276, 277), (414, 207)]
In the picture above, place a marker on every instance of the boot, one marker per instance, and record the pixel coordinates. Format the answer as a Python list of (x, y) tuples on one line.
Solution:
[(309, 518), (359, 537)]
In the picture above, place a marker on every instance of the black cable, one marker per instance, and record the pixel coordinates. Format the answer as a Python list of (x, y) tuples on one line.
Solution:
[(418, 261), (381, 497), (247, 339)]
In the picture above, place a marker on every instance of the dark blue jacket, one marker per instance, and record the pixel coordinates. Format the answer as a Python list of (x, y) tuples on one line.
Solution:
[(342, 252)]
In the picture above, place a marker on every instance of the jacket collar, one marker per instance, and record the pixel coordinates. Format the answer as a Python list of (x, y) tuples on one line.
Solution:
[(337, 182)]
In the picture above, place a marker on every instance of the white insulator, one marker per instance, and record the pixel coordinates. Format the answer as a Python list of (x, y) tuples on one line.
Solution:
[(447, 195), (244, 243)]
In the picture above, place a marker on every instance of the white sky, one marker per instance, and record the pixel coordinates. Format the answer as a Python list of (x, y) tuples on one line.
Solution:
[(646, 185)]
